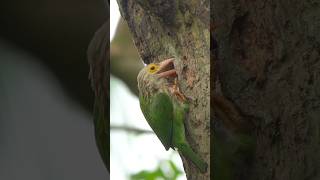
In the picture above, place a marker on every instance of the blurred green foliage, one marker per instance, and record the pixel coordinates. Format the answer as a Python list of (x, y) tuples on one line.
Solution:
[(165, 170)]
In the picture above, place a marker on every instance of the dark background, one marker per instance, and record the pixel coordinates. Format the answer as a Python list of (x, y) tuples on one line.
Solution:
[(45, 96), (58, 33)]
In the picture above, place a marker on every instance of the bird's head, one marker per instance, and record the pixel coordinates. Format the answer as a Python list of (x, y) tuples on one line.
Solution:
[(155, 77)]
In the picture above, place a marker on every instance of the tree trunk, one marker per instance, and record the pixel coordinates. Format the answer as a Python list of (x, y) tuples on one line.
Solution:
[(269, 68), (163, 29)]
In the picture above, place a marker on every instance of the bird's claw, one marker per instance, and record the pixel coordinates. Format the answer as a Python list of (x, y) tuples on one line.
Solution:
[(176, 91)]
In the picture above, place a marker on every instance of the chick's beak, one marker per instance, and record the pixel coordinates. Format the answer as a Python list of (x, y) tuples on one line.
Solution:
[(167, 68)]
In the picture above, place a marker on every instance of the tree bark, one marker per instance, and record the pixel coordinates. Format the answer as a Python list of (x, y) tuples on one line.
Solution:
[(163, 29), (269, 68)]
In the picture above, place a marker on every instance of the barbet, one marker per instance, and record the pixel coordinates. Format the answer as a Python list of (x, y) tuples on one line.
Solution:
[(165, 108)]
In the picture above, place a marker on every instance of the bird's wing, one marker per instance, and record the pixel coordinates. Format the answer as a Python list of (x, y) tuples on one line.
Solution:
[(159, 114)]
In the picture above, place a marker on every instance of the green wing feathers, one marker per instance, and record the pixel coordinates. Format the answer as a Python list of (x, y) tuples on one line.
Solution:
[(158, 111), (166, 118), (179, 139)]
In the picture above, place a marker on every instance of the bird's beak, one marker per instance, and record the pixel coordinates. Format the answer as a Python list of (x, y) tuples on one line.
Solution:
[(167, 68)]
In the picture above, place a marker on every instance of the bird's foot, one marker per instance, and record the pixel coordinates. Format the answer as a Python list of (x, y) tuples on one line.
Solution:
[(176, 91)]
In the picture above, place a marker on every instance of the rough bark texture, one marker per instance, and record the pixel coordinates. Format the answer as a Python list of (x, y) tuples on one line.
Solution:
[(269, 67), (170, 28)]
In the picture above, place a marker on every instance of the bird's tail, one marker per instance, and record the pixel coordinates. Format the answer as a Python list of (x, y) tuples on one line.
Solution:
[(187, 152)]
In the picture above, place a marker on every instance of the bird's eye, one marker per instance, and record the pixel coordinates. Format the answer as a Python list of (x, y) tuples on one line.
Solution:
[(153, 68)]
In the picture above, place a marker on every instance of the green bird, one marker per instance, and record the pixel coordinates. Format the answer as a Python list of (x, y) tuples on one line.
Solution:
[(98, 57), (165, 108)]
